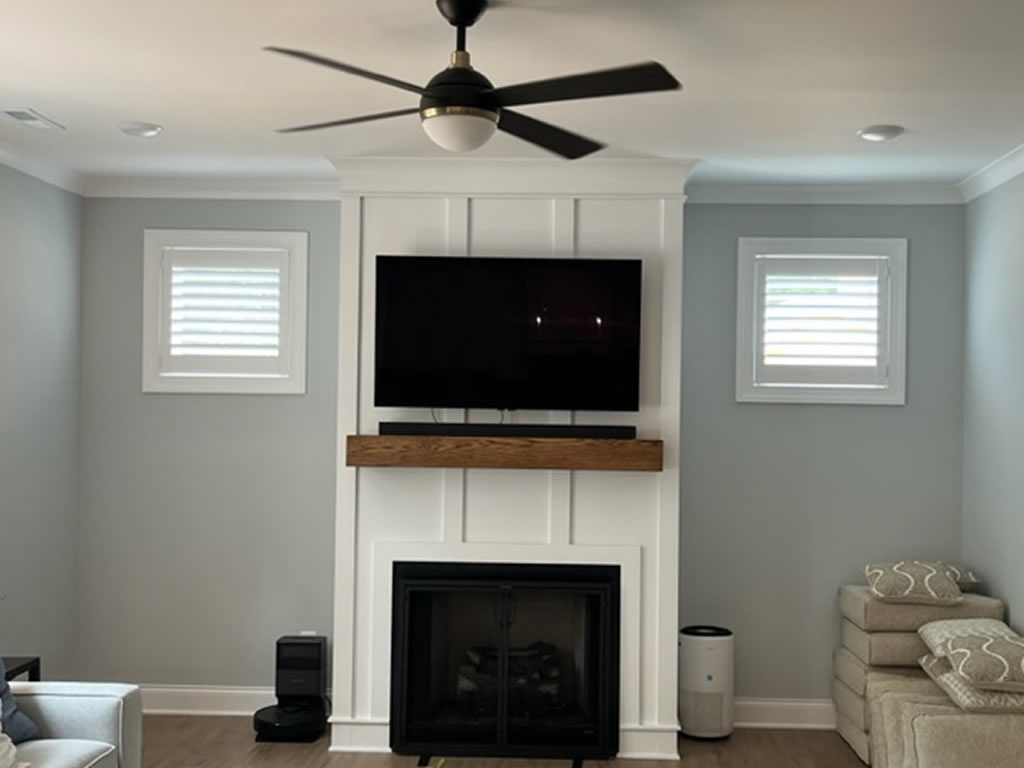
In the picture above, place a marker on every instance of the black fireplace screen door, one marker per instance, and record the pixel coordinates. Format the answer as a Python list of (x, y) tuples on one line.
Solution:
[(505, 660)]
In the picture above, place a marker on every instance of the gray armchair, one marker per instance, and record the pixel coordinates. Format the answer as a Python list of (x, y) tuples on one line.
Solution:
[(94, 724)]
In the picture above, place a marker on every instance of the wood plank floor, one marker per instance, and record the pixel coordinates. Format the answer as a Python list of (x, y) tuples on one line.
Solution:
[(227, 742)]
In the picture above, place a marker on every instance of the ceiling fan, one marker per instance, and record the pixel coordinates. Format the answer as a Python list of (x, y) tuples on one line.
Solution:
[(460, 109)]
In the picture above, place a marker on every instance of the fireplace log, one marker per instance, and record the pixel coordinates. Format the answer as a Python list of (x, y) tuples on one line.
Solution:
[(534, 673)]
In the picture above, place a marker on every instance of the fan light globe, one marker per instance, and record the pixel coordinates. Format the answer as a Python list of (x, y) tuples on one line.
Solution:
[(459, 131)]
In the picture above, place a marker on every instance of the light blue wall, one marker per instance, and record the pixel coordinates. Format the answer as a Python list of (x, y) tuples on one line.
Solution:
[(993, 500), (39, 264), (207, 521), (781, 504)]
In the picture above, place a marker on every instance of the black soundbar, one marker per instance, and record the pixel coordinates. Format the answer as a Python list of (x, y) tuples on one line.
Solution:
[(449, 429)]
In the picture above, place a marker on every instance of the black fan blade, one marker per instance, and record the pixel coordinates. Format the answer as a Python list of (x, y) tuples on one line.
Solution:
[(349, 120), (323, 61), (636, 78), (546, 135)]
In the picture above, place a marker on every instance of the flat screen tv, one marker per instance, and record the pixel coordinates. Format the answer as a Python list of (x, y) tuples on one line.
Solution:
[(508, 333)]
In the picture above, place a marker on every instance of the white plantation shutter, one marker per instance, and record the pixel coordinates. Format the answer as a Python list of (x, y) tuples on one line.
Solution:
[(228, 311), (821, 320), (231, 311), (225, 312)]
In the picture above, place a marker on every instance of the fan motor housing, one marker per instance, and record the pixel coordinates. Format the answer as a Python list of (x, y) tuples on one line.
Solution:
[(458, 87), (461, 13)]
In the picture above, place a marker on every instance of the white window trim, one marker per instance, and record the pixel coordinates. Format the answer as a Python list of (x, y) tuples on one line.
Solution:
[(748, 390), (292, 377)]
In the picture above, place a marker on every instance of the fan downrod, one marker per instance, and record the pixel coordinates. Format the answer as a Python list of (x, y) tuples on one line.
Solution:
[(462, 13)]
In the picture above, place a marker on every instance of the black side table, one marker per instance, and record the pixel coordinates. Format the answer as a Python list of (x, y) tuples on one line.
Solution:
[(18, 665)]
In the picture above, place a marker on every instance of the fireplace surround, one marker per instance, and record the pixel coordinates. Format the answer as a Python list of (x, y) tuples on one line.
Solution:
[(505, 659), (627, 519)]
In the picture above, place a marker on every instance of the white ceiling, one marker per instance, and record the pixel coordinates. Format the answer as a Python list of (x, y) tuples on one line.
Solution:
[(774, 90)]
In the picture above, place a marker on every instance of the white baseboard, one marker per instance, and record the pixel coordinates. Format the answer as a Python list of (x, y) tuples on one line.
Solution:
[(205, 700), (809, 714), (636, 741)]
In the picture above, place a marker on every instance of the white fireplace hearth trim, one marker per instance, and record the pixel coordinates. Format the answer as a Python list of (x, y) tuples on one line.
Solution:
[(348, 735), (646, 742), (628, 558), (635, 741)]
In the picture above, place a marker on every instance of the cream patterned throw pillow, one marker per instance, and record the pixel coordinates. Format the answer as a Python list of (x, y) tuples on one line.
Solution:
[(937, 634), (912, 581), (989, 663), (8, 755), (967, 697), (6, 750), (965, 578)]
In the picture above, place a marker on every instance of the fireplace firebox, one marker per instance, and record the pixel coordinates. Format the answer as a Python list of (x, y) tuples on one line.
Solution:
[(505, 659)]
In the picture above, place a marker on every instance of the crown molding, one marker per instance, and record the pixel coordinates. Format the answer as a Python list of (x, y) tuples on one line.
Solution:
[(511, 177), (212, 187), (995, 174), (55, 175), (823, 194)]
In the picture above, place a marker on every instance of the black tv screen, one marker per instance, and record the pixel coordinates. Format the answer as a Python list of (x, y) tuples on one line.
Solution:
[(540, 334)]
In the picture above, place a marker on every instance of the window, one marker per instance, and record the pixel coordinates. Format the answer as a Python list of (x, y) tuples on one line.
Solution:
[(224, 311), (821, 320)]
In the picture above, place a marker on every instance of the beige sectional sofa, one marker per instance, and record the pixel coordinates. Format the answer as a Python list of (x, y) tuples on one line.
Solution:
[(879, 688), (924, 729)]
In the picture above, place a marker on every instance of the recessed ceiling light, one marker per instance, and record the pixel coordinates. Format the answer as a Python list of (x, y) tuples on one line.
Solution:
[(881, 132), (140, 129)]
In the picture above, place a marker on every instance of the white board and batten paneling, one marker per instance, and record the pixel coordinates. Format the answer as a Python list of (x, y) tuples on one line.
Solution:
[(594, 209)]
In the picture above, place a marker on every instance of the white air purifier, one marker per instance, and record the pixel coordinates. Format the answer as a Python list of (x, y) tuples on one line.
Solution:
[(705, 681)]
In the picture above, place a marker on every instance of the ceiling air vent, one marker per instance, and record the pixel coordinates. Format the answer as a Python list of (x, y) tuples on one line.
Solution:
[(32, 119)]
